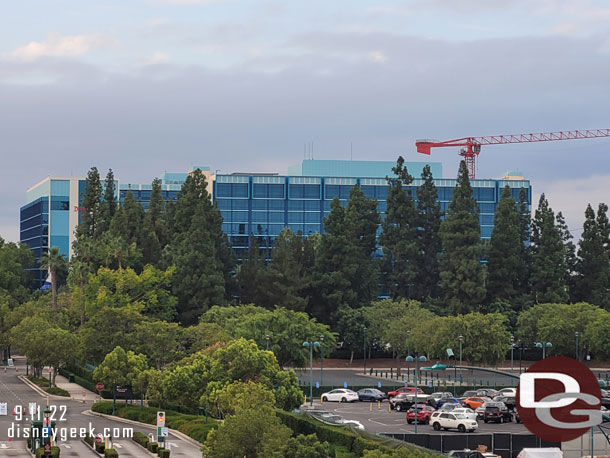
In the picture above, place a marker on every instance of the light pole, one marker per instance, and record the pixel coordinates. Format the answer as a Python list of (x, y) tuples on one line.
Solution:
[(417, 359), (461, 339), (311, 344), (321, 337), (512, 348), (408, 351), (364, 346), (577, 334), (544, 346), (267, 338)]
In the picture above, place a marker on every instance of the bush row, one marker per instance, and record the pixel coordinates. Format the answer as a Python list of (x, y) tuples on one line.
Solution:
[(342, 437), (193, 426), (153, 447), (111, 453), (54, 452), (86, 383)]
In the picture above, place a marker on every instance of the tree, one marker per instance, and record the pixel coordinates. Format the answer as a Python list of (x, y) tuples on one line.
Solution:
[(120, 368), (569, 250), (15, 280), (350, 327), (524, 235), (427, 277), (461, 271), (28, 336), (593, 262), (399, 237), (251, 276), (237, 396), (60, 349), (108, 205), (288, 275), (203, 335), (91, 216), (53, 261), (155, 233), (548, 257), (158, 340), (504, 255)]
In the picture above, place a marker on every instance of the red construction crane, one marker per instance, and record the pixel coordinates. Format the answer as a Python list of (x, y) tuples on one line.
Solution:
[(473, 144)]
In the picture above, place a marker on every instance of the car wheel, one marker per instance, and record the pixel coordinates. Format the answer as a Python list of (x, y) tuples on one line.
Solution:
[(343, 400), (485, 421), (398, 408), (461, 428), (436, 426), (518, 420), (409, 422), (324, 399)]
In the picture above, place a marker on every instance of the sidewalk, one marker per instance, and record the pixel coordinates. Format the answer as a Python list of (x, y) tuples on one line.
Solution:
[(77, 392)]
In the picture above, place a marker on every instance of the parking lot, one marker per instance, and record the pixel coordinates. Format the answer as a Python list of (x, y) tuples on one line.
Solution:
[(379, 419)]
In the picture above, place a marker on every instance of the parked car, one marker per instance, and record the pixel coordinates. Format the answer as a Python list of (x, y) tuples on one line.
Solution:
[(400, 402), (497, 412), (474, 401), (423, 414), (469, 413), (443, 397), (517, 416), (508, 392), (340, 395), (489, 392), (449, 420), (606, 398), (480, 411), (404, 389), (449, 407), (332, 418), (371, 394), (509, 401)]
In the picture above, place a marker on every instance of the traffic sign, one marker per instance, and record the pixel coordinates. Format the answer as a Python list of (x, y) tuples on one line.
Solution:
[(379, 384), (3, 408), (317, 384), (162, 431), (98, 440), (99, 386), (344, 384)]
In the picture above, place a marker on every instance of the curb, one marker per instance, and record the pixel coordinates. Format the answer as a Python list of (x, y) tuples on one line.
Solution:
[(89, 447), (176, 433), (39, 390)]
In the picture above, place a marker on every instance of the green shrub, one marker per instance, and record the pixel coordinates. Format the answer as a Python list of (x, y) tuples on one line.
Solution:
[(54, 452), (111, 453), (99, 448), (89, 440), (153, 447), (58, 391), (163, 453)]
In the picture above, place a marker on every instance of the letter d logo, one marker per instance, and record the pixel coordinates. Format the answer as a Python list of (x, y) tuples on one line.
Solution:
[(527, 385)]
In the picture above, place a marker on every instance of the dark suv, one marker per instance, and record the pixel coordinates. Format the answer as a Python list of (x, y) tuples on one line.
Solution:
[(497, 412)]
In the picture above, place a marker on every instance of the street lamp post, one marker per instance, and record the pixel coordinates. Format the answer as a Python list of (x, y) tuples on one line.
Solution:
[(512, 348), (577, 334), (417, 359), (364, 346), (544, 346), (461, 339), (267, 338), (311, 344), (408, 351), (322, 358)]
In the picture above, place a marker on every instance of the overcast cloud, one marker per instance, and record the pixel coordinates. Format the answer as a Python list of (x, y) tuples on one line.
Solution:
[(152, 85)]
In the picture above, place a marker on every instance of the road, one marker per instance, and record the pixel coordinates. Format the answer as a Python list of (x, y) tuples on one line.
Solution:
[(14, 392)]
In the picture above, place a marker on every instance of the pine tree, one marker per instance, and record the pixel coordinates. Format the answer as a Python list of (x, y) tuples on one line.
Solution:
[(91, 217), (155, 231), (548, 258), (524, 236), (569, 251), (399, 237), (429, 242), (504, 255), (288, 277), (108, 205), (251, 276), (593, 263), (461, 270)]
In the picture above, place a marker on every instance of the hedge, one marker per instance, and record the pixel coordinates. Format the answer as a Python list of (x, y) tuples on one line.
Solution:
[(99, 448), (153, 447), (193, 426), (337, 436), (111, 453), (163, 453), (90, 440), (85, 382), (54, 452)]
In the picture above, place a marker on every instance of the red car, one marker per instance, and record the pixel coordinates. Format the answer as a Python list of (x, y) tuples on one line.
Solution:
[(404, 389), (423, 414)]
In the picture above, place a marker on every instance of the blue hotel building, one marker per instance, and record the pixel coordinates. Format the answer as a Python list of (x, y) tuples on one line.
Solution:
[(251, 204)]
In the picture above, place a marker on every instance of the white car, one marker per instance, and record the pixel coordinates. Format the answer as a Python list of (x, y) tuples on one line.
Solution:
[(509, 392), (469, 413), (340, 395), (449, 420)]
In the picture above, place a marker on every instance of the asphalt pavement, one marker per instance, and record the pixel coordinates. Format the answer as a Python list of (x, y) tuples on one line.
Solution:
[(71, 415)]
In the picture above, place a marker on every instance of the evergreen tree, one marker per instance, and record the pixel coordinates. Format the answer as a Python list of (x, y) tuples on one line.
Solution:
[(548, 258), (524, 236), (345, 273), (288, 276), (429, 242), (461, 270), (504, 255), (108, 205), (593, 263), (603, 225), (91, 216), (569, 251), (399, 237), (251, 276), (155, 231), (199, 250)]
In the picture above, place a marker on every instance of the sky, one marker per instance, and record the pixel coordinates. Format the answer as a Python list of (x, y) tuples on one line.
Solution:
[(148, 86)]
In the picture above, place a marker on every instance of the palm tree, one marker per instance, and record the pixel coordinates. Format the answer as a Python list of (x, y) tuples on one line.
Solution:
[(51, 261)]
